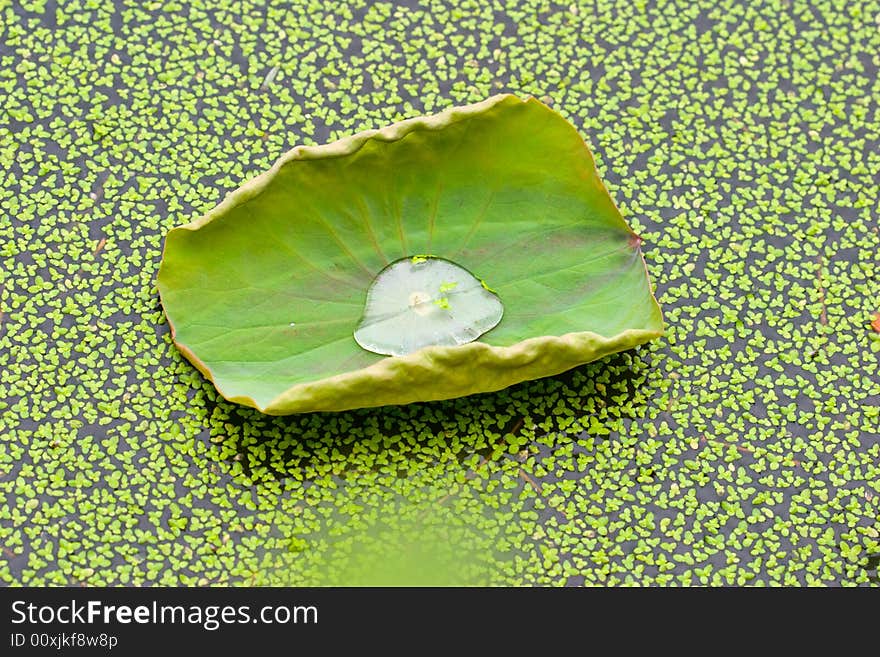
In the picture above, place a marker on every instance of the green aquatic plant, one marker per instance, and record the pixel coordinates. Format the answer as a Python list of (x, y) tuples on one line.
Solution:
[(311, 288)]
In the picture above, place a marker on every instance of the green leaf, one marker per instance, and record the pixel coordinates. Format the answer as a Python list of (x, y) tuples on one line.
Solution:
[(264, 292)]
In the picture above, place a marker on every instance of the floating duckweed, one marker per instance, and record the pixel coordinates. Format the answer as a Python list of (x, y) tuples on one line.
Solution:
[(739, 140)]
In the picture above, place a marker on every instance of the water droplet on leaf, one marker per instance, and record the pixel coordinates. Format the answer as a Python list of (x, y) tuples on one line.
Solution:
[(424, 301)]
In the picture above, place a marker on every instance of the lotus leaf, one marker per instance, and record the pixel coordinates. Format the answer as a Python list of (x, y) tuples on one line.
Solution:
[(265, 293)]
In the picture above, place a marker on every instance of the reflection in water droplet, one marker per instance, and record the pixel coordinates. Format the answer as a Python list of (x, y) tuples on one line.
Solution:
[(425, 301)]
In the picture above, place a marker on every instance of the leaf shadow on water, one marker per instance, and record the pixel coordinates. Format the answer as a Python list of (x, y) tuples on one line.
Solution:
[(415, 489), (281, 446)]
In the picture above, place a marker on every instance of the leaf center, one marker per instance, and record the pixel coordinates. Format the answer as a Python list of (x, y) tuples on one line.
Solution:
[(420, 302), (424, 301)]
